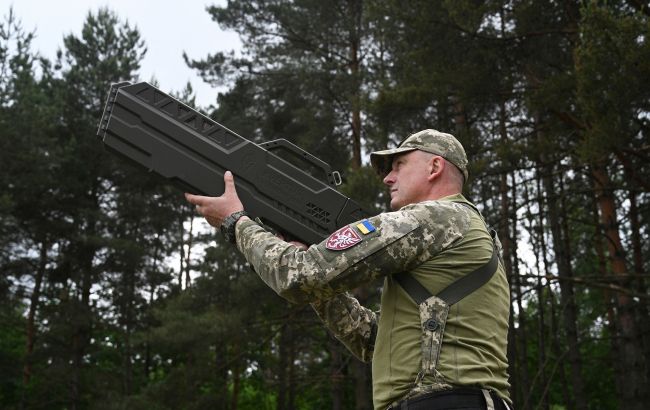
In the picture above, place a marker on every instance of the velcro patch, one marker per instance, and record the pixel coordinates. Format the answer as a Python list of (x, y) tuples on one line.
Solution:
[(342, 239), (365, 227)]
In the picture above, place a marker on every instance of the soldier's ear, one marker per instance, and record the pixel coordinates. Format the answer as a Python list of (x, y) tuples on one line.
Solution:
[(435, 167)]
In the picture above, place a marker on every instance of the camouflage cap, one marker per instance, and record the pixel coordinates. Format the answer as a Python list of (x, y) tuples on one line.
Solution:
[(435, 142)]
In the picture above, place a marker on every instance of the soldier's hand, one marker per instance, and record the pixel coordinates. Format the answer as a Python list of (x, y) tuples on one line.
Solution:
[(216, 209), (300, 245)]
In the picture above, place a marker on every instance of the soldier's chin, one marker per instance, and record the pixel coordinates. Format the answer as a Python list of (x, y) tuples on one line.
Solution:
[(395, 205)]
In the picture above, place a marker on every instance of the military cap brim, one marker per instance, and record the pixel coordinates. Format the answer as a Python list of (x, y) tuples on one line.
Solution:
[(381, 161)]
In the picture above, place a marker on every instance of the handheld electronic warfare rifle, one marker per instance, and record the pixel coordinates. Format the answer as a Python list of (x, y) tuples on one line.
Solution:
[(286, 187)]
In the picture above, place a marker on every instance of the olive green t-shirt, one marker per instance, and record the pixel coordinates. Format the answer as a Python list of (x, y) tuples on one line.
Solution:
[(474, 344)]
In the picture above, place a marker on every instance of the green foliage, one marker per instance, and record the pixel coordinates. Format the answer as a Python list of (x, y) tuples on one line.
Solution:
[(254, 395), (365, 186), (12, 350), (612, 63)]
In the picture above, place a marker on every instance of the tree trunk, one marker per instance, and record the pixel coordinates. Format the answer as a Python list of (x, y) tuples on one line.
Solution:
[(127, 320), (286, 381), (33, 307), (523, 376), (363, 395), (234, 399), (288, 351), (507, 215), (221, 373), (147, 345), (607, 299), (355, 9), (519, 354), (291, 371), (542, 264), (281, 403), (567, 294), (460, 120), (83, 326), (559, 355), (127, 362), (643, 318), (87, 249), (336, 378), (635, 394)]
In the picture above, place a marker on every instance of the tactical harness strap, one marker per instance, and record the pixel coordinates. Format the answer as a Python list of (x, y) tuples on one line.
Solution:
[(455, 291)]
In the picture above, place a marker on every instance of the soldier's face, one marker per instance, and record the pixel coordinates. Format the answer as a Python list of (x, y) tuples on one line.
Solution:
[(407, 181)]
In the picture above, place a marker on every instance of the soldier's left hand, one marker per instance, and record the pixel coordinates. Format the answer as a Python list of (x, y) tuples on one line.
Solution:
[(216, 209)]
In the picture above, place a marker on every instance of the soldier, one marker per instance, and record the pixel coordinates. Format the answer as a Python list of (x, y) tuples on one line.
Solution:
[(440, 341)]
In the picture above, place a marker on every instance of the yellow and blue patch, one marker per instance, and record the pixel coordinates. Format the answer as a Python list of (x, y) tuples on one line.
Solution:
[(365, 227)]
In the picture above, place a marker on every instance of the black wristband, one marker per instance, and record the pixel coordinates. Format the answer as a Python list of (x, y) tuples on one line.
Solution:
[(228, 225)]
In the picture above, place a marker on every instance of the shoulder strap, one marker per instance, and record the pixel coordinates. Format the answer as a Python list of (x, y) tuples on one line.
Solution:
[(454, 292), (461, 287), (416, 291), (467, 284)]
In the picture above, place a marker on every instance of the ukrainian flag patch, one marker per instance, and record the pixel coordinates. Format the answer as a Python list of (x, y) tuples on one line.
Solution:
[(365, 227)]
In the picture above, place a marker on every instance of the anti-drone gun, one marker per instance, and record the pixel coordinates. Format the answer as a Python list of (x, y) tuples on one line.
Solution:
[(286, 187)]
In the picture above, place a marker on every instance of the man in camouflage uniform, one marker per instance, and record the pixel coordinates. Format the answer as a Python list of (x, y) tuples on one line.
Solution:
[(428, 355)]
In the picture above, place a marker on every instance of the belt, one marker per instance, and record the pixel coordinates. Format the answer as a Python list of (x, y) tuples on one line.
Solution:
[(468, 399)]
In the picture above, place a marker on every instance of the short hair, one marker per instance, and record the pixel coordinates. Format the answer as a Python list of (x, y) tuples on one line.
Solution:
[(456, 175)]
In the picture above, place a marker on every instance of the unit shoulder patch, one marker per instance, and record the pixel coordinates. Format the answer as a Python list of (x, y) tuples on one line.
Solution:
[(344, 238)]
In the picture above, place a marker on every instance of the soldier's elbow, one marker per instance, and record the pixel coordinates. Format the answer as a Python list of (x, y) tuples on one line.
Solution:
[(301, 291)]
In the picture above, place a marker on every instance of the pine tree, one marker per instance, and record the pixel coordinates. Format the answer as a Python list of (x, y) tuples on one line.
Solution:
[(105, 53)]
